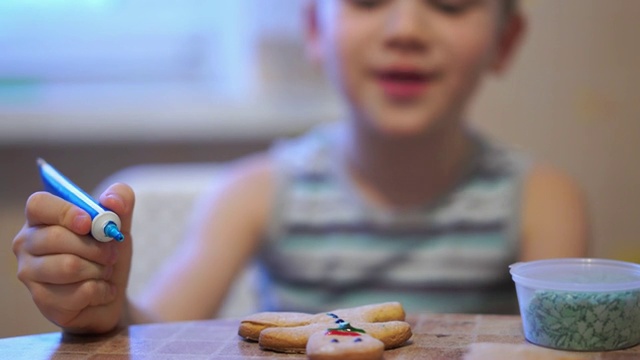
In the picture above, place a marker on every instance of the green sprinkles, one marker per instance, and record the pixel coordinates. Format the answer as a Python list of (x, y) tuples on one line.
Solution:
[(583, 321), (346, 326)]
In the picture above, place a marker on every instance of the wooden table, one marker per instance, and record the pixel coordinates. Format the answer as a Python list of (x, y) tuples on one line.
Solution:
[(436, 336)]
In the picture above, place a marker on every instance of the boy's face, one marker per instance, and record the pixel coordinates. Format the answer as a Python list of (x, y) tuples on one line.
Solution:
[(407, 66)]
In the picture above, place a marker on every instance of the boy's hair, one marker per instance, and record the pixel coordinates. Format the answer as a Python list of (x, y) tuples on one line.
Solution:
[(510, 7)]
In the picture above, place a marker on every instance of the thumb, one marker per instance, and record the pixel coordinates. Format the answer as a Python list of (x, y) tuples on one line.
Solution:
[(120, 199)]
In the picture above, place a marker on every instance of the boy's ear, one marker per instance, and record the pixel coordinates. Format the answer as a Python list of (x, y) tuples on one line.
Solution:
[(511, 37), (312, 31)]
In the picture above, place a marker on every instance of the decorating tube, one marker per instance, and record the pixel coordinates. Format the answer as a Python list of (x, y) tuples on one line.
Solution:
[(105, 225)]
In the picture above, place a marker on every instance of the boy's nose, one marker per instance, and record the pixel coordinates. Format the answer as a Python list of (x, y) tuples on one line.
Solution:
[(405, 27)]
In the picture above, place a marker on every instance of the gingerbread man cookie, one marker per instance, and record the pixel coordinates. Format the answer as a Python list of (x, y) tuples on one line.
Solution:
[(323, 346), (344, 342), (291, 332)]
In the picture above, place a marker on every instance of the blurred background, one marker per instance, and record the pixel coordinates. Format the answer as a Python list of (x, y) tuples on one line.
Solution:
[(94, 86)]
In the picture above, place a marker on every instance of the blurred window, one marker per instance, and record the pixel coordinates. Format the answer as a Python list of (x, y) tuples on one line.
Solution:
[(121, 41), (194, 67)]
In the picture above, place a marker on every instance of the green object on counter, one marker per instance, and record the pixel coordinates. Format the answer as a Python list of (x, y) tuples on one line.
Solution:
[(583, 321)]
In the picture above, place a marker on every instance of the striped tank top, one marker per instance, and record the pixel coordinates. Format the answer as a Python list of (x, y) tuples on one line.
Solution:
[(326, 248)]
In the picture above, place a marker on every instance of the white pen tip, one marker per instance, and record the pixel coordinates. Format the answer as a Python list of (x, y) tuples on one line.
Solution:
[(40, 161)]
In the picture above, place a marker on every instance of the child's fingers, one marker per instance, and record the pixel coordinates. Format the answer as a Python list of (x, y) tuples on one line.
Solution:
[(58, 240), (120, 198), (63, 303), (62, 269), (73, 298), (44, 208)]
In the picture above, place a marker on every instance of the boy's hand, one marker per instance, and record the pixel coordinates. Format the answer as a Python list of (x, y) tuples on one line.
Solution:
[(76, 281)]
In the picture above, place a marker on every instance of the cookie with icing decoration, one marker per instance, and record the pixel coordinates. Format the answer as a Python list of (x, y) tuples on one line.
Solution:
[(343, 345), (290, 332), (252, 325)]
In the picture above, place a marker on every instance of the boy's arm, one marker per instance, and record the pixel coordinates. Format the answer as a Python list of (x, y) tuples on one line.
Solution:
[(555, 220), (225, 231)]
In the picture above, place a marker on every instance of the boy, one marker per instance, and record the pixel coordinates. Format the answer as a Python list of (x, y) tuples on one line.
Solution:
[(401, 201)]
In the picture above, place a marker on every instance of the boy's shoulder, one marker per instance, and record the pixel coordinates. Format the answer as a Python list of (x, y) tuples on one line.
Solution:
[(547, 179), (312, 151), (496, 157), (539, 173), (249, 168), (540, 177), (309, 150), (555, 214)]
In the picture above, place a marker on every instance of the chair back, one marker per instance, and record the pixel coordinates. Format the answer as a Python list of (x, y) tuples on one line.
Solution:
[(165, 194)]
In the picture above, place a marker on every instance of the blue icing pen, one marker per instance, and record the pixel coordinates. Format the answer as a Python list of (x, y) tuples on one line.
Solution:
[(105, 225)]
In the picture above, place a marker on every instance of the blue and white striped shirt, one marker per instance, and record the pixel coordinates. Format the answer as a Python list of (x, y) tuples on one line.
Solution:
[(327, 248)]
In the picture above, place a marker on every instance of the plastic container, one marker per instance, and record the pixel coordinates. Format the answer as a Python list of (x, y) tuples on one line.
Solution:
[(579, 304)]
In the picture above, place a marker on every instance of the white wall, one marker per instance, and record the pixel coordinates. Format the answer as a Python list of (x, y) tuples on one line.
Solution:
[(572, 98)]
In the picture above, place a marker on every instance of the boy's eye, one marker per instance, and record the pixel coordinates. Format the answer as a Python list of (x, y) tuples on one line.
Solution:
[(366, 4), (453, 7)]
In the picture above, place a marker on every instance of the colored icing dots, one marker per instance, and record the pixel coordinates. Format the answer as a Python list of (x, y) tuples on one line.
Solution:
[(583, 321), (342, 333), (344, 327)]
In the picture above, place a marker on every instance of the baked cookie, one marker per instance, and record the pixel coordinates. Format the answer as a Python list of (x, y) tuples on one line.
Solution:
[(252, 325), (290, 332), (344, 345)]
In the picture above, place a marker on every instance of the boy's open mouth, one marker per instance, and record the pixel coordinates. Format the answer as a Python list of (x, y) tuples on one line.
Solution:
[(403, 76), (402, 84)]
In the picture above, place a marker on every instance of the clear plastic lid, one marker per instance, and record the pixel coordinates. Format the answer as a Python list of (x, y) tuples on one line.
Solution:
[(577, 274)]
